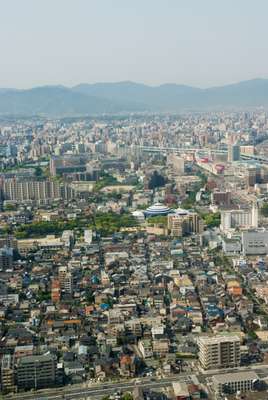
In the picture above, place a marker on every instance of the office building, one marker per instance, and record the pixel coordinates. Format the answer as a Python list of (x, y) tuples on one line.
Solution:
[(232, 219), (219, 352), (6, 258), (7, 374), (253, 175), (248, 150), (35, 372), (11, 151), (255, 242), (234, 382), (233, 152), (183, 222), (67, 164)]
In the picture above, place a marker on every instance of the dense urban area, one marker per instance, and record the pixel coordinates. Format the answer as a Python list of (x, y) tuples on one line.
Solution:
[(134, 257)]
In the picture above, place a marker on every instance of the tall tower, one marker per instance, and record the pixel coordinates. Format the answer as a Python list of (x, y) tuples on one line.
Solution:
[(255, 215), (233, 152)]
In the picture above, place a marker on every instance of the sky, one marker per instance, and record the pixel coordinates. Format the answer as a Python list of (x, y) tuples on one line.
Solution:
[(201, 43)]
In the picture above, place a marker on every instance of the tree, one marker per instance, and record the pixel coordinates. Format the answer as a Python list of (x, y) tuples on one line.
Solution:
[(212, 220), (158, 220), (264, 210), (156, 180), (10, 207), (38, 172), (127, 396)]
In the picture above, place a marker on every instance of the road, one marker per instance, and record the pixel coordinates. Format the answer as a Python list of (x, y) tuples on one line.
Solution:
[(97, 391)]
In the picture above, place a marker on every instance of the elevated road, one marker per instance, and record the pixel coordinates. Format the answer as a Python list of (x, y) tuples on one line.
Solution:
[(193, 150)]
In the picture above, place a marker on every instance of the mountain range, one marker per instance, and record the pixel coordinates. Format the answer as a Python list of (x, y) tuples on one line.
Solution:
[(111, 98)]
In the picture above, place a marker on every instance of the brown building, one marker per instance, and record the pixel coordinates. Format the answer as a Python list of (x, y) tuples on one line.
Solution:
[(55, 290), (221, 198)]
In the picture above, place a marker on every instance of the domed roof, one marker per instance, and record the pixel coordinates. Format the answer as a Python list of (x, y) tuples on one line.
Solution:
[(158, 209)]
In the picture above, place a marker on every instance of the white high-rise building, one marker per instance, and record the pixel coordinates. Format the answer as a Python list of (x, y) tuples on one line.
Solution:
[(88, 235), (232, 219)]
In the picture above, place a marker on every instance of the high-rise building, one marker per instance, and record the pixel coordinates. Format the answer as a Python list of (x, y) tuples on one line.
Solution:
[(184, 222), (32, 190), (232, 219), (7, 374), (253, 175), (55, 290), (219, 352), (88, 236), (11, 150), (6, 258), (65, 279), (233, 152), (221, 198), (36, 371)]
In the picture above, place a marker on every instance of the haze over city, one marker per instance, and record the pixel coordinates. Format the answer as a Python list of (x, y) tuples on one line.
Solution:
[(199, 43)]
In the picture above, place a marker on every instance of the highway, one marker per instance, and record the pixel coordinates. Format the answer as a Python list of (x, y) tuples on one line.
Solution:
[(193, 150), (97, 391)]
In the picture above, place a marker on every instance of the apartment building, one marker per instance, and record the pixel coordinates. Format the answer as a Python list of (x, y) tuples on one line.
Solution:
[(219, 352), (65, 280), (36, 371), (40, 191)]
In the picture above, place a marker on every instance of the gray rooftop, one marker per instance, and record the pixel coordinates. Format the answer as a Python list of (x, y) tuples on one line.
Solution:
[(235, 377)]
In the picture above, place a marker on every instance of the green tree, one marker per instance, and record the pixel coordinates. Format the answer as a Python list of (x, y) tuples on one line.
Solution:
[(10, 207), (158, 219), (38, 172), (264, 210), (212, 220), (127, 396), (156, 180)]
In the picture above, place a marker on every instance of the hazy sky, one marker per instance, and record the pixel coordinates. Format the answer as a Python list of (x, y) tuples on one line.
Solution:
[(195, 42)]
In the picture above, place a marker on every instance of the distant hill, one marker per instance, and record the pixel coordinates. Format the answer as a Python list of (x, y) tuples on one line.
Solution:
[(172, 97), (100, 98)]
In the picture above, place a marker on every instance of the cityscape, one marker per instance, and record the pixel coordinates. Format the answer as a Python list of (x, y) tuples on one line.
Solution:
[(133, 200), (134, 256)]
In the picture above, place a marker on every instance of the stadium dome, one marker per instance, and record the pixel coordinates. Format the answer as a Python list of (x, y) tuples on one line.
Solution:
[(157, 209)]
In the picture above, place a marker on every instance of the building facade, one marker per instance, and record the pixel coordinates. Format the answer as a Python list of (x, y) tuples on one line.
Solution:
[(219, 352), (36, 371)]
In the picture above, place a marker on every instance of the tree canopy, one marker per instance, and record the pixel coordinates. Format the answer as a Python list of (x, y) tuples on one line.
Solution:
[(264, 210), (156, 180)]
